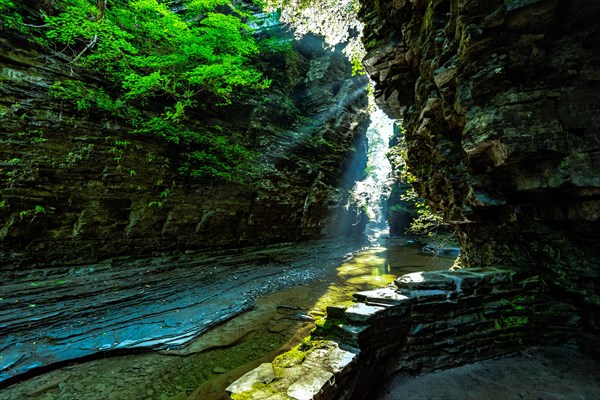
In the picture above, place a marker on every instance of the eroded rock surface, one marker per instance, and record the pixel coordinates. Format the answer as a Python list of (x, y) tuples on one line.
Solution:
[(78, 187), (99, 233), (314, 376), (159, 303), (426, 321), (501, 110)]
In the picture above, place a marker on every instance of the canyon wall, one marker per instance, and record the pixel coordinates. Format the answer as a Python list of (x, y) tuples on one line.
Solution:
[(500, 107), (79, 187), (102, 239), (499, 100)]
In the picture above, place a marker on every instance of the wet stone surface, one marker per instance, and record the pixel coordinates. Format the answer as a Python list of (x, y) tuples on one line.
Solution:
[(208, 364), (437, 322), (160, 303)]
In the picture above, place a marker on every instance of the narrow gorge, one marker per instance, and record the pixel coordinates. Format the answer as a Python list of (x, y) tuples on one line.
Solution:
[(168, 165)]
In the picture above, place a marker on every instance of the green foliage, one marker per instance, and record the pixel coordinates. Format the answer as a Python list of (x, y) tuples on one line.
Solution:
[(426, 221), (10, 18), (208, 152), (86, 98), (37, 210), (34, 136), (151, 52), (78, 155), (158, 204), (37, 137), (333, 19), (201, 6), (152, 56), (357, 66), (276, 43)]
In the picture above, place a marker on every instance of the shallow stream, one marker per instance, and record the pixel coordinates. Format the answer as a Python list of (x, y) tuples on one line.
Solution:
[(203, 369)]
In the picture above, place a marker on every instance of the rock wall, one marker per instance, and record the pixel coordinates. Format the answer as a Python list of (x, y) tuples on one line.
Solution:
[(78, 187), (499, 99), (430, 320)]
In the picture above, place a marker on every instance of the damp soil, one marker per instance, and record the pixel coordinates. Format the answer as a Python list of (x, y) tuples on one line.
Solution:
[(204, 368)]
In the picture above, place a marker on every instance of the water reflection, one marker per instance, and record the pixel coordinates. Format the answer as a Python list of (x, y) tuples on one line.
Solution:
[(376, 267)]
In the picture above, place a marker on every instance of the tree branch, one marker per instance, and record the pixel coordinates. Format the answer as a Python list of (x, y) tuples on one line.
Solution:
[(86, 48), (35, 26)]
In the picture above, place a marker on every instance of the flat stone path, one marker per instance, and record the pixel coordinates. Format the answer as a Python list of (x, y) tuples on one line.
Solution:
[(551, 373)]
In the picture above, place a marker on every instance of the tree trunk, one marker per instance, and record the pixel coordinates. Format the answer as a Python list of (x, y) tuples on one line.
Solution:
[(101, 5)]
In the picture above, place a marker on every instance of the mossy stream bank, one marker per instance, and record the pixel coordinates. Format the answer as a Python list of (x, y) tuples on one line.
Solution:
[(205, 367)]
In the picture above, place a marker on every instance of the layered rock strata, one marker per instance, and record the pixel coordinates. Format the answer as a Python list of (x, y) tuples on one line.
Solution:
[(429, 320), (499, 100), (78, 187), (104, 245), (499, 103), (157, 303)]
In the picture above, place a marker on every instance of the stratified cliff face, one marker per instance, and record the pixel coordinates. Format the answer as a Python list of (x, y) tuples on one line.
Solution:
[(502, 116), (78, 187)]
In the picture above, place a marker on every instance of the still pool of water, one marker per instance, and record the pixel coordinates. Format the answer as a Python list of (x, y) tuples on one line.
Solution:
[(204, 368)]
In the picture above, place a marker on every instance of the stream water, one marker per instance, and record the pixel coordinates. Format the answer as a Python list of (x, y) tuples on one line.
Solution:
[(203, 369)]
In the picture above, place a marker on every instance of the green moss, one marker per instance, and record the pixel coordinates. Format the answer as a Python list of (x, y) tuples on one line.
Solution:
[(522, 303), (329, 329), (257, 387), (497, 325), (323, 328), (511, 322), (295, 356), (427, 18)]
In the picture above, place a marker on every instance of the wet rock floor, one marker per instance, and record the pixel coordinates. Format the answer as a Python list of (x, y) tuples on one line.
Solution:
[(205, 367), (549, 373), (60, 313)]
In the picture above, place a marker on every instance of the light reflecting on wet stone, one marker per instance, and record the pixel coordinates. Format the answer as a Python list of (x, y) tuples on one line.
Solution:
[(211, 363)]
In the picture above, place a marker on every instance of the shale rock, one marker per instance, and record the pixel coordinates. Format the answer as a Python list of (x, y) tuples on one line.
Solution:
[(500, 104), (79, 187), (160, 303)]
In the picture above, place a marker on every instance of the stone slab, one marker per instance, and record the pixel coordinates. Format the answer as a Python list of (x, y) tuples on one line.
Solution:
[(330, 358), (263, 374), (382, 296), (360, 312), (426, 281), (311, 384)]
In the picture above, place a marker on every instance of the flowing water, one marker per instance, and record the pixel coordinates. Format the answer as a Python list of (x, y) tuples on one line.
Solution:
[(203, 369)]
